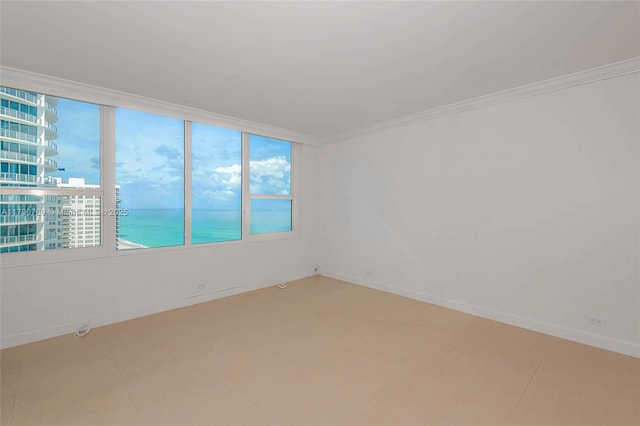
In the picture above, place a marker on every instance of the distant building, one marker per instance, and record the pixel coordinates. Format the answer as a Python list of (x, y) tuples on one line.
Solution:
[(27, 135), (40, 222), (80, 216)]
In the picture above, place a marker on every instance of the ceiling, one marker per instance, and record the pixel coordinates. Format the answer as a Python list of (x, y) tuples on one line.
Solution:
[(318, 68)]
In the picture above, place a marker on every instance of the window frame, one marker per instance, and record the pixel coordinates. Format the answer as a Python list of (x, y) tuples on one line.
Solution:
[(62, 254), (108, 100), (186, 133), (247, 196), (189, 184)]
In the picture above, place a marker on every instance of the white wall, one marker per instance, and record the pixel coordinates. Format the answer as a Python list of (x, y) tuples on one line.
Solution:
[(46, 300), (527, 212)]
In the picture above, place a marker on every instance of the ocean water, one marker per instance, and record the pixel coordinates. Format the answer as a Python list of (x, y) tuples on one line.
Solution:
[(153, 227), (161, 228)]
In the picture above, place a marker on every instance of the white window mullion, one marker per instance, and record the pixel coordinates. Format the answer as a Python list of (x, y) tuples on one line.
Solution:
[(108, 177), (20, 190), (272, 197)]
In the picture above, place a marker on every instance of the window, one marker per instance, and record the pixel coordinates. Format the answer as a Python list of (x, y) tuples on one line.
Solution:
[(270, 194), (150, 176), (45, 143), (239, 186), (216, 190)]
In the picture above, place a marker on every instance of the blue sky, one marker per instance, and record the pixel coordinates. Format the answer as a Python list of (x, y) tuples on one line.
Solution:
[(150, 158), (78, 141), (216, 160), (269, 165)]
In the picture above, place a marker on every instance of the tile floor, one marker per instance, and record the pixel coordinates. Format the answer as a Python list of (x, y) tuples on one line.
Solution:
[(321, 352)]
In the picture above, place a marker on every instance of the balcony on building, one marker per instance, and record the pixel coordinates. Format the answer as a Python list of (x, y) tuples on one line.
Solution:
[(18, 136), (18, 115), (50, 165), (32, 98), (51, 149)]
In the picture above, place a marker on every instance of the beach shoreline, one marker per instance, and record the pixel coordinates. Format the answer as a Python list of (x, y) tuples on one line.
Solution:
[(129, 245)]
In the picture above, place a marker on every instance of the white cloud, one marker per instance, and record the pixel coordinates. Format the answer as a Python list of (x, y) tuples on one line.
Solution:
[(271, 176), (228, 176), (224, 182), (221, 194)]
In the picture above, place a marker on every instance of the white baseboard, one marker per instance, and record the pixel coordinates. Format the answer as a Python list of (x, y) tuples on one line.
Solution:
[(603, 342), (142, 311)]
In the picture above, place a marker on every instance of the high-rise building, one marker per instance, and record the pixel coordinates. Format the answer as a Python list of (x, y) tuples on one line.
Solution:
[(80, 216), (27, 134)]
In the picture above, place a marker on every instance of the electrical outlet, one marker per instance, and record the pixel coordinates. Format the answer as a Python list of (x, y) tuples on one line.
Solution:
[(597, 322)]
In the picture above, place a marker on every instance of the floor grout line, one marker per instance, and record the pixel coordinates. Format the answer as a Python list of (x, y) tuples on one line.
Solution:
[(126, 385), (15, 396), (533, 375)]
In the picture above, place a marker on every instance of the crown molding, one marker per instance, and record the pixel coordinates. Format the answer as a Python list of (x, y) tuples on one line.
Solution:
[(54, 86), (604, 72)]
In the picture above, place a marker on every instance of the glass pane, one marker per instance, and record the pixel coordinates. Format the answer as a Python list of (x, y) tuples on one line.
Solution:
[(44, 222), (55, 136), (48, 142), (150, 176), (270, 216), (269, 166), (77, 162), (216, 184)]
